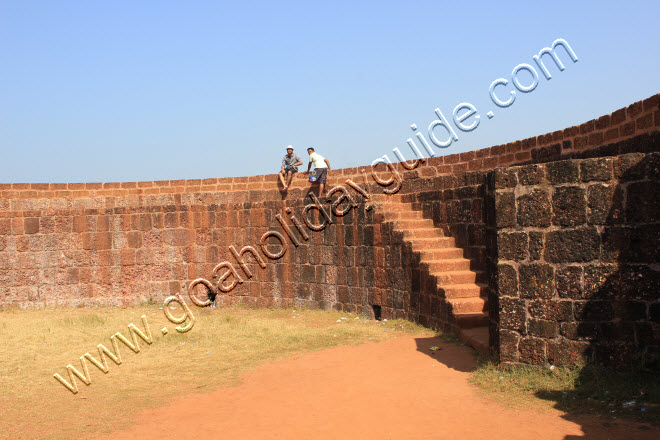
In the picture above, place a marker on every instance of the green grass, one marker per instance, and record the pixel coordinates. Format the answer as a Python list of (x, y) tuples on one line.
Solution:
[(584, 389), (222, 345)]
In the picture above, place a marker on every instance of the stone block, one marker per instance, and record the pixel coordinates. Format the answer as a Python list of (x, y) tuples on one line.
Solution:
[(512, 245), (642, 202), (551, 310), (600, 281), (530, 175), (543, 328), (605, 204), (97, 240), (536, 280), (569, 282), (536, 240), (654, 313), (593, 310), (565, 171), (629, 167), (31, 225), (505, 178), (505, 209), (508, 345), (617, 331), (534, 209), (579, 330), (629, 310), (507, 280), (599, 169), (569, 206), (572, 245), (532, 351), (512, 314), (565, 352)]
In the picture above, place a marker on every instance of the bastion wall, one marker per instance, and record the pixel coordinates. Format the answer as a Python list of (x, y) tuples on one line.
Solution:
[(564, 226)]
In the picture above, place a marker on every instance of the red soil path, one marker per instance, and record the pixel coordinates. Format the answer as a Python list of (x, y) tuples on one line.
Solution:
[(390, 390)]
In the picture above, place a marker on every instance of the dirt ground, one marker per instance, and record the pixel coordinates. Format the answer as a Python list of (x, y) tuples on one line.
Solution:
[(390, 390)]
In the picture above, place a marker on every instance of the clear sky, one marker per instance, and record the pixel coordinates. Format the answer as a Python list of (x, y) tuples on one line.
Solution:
[(153, 90)]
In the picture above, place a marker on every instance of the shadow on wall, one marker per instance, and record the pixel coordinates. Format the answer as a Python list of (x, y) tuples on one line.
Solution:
[(619, 319), (404, 286)]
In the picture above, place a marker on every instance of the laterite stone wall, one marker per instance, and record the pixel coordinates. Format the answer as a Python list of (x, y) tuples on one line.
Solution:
[(86, 244), (578, 262)]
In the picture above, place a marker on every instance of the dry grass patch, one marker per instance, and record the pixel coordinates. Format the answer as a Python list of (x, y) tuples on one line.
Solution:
[(222, 345), (585, 389)]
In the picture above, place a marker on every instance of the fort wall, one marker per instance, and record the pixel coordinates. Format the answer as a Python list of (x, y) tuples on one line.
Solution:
[(86, 244)]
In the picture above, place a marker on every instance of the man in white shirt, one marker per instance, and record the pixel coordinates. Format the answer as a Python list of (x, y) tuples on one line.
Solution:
[(321, 166)]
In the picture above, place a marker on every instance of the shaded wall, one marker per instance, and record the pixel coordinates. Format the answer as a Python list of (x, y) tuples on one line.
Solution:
[(577, 260)]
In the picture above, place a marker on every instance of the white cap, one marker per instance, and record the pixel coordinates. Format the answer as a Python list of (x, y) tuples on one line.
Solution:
[(289, 146)]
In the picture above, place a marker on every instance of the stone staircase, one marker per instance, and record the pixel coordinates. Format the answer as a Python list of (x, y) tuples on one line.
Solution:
[(464, 289)]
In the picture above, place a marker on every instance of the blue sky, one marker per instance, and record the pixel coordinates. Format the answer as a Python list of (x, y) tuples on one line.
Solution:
[(124, 91)]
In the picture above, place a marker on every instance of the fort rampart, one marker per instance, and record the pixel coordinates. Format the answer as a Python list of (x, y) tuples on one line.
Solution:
[(561, 232)]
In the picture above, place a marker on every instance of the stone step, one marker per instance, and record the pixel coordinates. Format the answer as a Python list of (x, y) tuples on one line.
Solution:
[(432, 253), (468, 290), (402, 215), (458, 276), (430, 243), (448, 264), (477, 338), (387, 198), (394, 207), (471, 320), (413, 224), (468, 305), (428, 232)]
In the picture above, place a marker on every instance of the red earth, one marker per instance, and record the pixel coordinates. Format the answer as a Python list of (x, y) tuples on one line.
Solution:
[(389, 390)]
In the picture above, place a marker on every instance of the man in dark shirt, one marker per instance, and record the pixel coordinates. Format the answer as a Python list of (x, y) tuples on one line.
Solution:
[(290, 165)]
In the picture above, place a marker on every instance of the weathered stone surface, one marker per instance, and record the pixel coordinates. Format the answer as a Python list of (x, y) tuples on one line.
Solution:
[(593, 310), (600, 281), (512, 245), (530, 175), (534, 209), (617, 331), (535, 245), (509, 346), (629, 310), (566, 352), (569, 282), (605, 204), (31, 225), (505, 178), (532, 350), (536, 280), (579, 330), (543, 328), (552, 310), (565, 171), (599, 169), (572, 245), (512, 314), (642, 202), (569, 206), (507, 280), (614, 354), (505, 209), (629, 167)]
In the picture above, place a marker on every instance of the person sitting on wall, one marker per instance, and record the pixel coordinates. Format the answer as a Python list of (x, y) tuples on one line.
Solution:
[(321, 168), (290, 165)]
